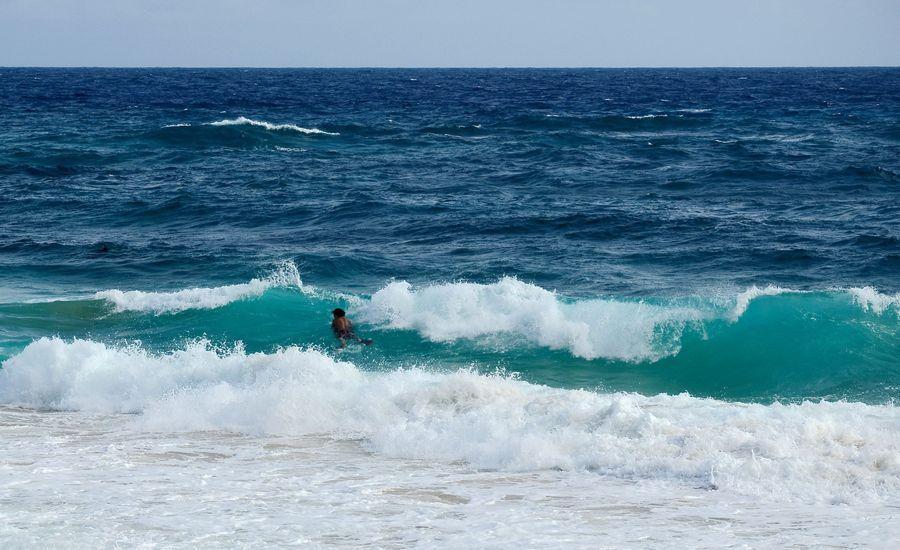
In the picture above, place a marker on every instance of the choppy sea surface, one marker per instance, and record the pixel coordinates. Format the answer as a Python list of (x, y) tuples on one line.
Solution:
[(610, 308)]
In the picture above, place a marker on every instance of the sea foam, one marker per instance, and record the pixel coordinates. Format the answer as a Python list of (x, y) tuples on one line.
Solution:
[(821, 452)]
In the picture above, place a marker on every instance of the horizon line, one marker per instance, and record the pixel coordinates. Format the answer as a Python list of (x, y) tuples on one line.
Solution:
[(447, 67)]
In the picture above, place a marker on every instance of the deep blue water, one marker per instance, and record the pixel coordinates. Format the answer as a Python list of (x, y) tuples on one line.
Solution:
[(649, 200)]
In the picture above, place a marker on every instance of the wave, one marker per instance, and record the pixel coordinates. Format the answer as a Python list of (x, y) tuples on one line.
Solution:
[(609, 122), (286, 275), (742, 301), (244, 121), (253, 133), (629, 331), (781, 138), (637, 330), (812, 451), (511, 313), (761, 344)]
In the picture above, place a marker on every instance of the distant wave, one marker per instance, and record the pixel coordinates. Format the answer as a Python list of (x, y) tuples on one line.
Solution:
[(199, 298), (831, 452), (244, 121), (607, 122), (781, 138)]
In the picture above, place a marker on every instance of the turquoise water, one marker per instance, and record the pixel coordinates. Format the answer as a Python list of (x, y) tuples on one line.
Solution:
[(788, 346), (725, 233)]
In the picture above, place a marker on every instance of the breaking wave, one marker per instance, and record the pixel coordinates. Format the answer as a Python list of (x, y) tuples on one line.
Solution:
[(244, 121), (813, 451), (628, 330), (590, 329), (200, 298)]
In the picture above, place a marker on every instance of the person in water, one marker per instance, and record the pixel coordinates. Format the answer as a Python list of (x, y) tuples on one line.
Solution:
[(343, 328)]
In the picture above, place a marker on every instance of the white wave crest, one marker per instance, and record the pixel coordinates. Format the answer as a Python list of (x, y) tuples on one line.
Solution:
[(244, 121), (742, 301), (644, 117), (286, 275), (590, 329), (871, 300), (630, 331), (832, 452)]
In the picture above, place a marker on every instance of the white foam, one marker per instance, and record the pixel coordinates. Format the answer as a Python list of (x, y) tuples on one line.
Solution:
[(286, 275), (829, 452), (244, 121), (871, 300), (642, 117), (630, 331)]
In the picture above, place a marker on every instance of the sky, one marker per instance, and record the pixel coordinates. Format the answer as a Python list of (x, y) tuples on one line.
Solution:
[(449, 33)]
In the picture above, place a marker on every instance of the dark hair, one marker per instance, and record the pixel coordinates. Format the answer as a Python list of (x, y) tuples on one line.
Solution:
[(338, 312)]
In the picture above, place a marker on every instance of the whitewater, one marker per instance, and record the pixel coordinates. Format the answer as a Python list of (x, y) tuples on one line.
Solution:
[(609, 308), (299, 427)]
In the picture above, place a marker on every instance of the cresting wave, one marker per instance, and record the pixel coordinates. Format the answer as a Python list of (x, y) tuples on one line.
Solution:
[(244, 121), (588, 329), (872, 300), (638, 330), (519, 312), (286, 275), (814, 451)]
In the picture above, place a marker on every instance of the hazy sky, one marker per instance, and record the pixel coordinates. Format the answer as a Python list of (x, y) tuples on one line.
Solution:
[(433, 33)]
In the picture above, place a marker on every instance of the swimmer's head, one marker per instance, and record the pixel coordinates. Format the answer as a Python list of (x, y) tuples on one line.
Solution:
[(338, 312)]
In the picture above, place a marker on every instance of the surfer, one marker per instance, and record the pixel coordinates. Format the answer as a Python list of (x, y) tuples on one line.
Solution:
[(343, 328)]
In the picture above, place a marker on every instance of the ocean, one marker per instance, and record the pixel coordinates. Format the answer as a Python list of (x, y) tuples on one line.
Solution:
[(610, 307)]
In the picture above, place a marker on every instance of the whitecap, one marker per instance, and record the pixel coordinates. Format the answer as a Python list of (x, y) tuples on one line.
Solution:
[(286, 275), (242, 121), (870, 299)]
